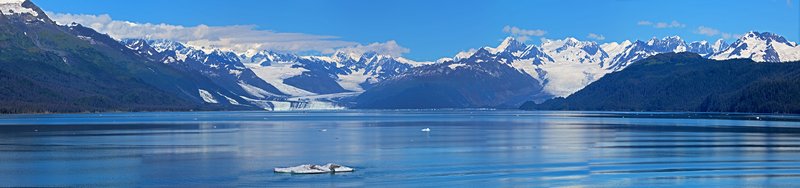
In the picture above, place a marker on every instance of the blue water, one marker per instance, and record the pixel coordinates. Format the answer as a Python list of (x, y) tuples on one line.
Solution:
[(464, 148)]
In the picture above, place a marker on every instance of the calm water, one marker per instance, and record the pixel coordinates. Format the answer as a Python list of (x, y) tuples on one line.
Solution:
[(387, 148)]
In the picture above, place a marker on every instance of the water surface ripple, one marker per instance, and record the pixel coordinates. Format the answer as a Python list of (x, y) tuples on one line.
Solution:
[(464, 148)]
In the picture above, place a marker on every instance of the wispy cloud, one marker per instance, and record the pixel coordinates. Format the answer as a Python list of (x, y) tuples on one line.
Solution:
[(596, 36), (703, 30), (523, 34), (661, 25), (388, 48), (708, 31), (235, 37)]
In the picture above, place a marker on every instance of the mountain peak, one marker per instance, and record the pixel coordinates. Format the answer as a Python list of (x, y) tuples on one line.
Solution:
[(765, 36), (675, 37), (11, 7), (571, 40), (760, 34), (761, 47), (369, 55), (483, 51), (510, 44), (508, 40), (15, 2), (719, 45), (345, 56), (702, 42), (23, 8)]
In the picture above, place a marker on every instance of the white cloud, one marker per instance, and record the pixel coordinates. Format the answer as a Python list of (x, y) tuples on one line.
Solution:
[(661, 25), (703, 30), (388, 48), (708, 31), (238, 38), (596, 36), (672, 24), (523, 34)]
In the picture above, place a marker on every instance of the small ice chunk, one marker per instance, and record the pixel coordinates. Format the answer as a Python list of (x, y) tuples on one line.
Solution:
[(314, 169), (426, 130)]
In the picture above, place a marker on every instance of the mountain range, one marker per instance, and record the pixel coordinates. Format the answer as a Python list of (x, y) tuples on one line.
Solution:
[(74, 68), (681, 82), (559, 67)]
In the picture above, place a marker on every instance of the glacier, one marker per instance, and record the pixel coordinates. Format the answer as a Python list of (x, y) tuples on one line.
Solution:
[(562, 66)]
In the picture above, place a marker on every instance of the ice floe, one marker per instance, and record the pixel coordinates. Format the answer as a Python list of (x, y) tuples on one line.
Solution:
[(315, 169)]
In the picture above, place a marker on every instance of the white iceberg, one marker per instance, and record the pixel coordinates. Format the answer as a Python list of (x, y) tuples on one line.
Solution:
[(314, 169)]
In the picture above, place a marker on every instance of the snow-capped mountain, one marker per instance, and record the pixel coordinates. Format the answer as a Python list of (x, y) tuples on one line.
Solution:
[(571, 50), (565, 66), (485, 79), (613, 48), (558, 67), (235, 84), (78, 69), (223, 68), (761, 47), (23, 10), (639, 50), (258, 76), (706, 49), (342, 72)]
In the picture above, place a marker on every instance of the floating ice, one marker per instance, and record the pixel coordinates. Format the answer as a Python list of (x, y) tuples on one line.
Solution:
[(314, 169)]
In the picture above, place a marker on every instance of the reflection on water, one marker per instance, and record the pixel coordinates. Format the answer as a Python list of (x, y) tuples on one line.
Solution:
[(472, 148)]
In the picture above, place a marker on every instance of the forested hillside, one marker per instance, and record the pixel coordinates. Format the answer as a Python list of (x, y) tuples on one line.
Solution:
[(688, 82)]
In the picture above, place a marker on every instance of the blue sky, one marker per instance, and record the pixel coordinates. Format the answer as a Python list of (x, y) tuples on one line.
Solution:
[(428, 30)]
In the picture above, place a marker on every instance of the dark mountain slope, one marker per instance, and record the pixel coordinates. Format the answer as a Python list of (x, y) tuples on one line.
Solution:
[(688, 82), (481, 81), (45, 67)]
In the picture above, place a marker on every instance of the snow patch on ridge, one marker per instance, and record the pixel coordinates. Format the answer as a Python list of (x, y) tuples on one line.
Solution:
[(207, 97), (230, 100), (613, 49), (454, 66), (11, 7)]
